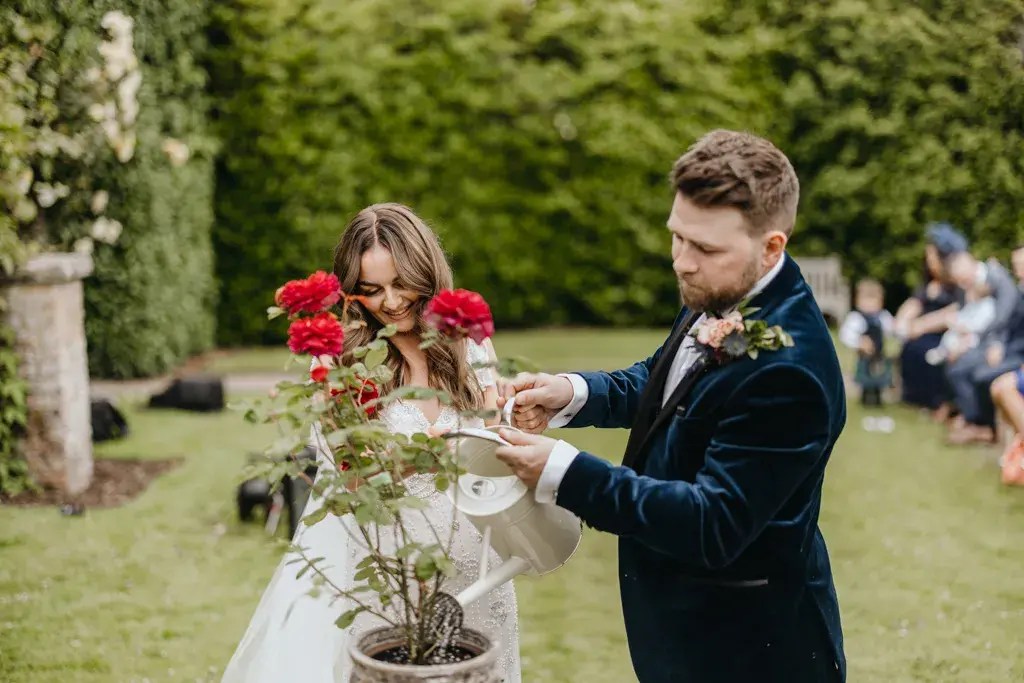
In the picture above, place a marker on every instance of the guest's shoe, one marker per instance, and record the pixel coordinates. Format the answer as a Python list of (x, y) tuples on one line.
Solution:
[(1012, 463)]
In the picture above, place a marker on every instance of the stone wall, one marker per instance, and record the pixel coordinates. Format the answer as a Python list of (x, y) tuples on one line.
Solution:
[(44, 307)]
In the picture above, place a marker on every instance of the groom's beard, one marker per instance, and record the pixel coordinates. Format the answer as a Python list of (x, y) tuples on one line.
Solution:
[(697, 298)]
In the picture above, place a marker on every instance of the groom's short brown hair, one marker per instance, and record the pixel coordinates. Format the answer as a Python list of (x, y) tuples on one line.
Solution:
[(730, 169)]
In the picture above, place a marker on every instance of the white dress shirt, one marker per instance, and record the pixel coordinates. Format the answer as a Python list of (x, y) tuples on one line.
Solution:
[(855, 325), (564, 453)]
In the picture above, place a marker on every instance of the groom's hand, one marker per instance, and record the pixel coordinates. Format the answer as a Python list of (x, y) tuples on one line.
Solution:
[(527, 455), (539, 397)]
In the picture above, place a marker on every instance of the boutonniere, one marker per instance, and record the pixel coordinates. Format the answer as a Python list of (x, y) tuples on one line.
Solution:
[(734, 335)]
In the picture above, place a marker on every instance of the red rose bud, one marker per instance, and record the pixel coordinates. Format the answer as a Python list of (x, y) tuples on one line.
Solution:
[(319, 373), (316, 293), (459, 313), (322, 334)]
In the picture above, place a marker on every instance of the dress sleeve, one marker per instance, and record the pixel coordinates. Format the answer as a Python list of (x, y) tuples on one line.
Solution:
[(477, 355)]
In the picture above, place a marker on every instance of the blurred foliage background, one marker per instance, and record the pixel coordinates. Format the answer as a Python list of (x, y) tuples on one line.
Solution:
[(535, 137)]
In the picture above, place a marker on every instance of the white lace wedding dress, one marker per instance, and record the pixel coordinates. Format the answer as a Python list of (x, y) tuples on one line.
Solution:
[(292, 636)]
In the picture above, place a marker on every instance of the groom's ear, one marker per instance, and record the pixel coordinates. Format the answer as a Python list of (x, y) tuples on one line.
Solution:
[(774, 244)]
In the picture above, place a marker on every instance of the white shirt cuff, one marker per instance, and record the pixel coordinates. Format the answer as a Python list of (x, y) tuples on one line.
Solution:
[(580, 394), (554, 471)]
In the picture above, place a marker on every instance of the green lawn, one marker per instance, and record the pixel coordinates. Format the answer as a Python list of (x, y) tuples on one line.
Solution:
[(927, 549)]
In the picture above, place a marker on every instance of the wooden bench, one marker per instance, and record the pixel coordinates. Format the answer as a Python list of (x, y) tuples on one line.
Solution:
[(831, 291)]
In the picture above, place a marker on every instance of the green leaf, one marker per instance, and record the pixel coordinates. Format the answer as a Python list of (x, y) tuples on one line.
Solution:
[(418, 394), (337, 438), (425, 567), (445, 565), (286, 445), (380, 480), (424, 461), (377, 354), (346, 619), (364, 514), (369, 470), (407, 550), (315, 516), (413, 503)]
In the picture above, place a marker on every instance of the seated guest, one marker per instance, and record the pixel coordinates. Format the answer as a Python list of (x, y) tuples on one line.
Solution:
[(1017, 263), (1008, 397), (970, 322), (1007, 391), (971, 374), (923, 318)]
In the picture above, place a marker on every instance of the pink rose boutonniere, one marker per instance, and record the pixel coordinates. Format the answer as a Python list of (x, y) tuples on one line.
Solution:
[(733, 335)]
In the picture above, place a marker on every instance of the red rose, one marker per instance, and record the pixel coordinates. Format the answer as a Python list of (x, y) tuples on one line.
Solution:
[(320, 335), (368, 392), (319, 373), (316, 293), (458, 313)]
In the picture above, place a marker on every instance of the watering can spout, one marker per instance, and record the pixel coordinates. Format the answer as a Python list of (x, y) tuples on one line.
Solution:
[(506, 571)]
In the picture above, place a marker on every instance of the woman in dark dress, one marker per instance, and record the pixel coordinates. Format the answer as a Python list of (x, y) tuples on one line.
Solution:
[(923, 318)]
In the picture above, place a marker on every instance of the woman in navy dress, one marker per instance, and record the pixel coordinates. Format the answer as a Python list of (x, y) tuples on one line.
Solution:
[(923, 318)]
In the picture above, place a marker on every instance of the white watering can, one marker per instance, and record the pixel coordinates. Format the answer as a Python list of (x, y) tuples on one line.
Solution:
[(532, 538)]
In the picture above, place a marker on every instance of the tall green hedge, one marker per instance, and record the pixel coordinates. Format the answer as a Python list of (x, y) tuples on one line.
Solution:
[(153, 304), (151, 300), (536, 137), (894, 114)]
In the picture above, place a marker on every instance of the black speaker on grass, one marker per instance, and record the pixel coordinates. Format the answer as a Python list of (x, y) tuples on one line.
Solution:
[(199, 393), (107, 421)]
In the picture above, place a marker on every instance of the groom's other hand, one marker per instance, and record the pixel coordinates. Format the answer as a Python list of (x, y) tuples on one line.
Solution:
[(527, 454), (539, 397)]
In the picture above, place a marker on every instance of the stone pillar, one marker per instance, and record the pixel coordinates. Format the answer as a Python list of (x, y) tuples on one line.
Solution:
[(45, 310)]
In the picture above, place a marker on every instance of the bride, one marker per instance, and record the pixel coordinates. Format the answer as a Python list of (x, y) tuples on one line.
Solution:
[(392, 259)]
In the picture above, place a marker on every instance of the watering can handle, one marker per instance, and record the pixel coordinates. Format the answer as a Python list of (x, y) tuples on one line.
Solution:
[(505, 572), (506, 412)]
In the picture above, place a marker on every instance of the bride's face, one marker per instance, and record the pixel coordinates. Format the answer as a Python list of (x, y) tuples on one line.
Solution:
[(388, 298)]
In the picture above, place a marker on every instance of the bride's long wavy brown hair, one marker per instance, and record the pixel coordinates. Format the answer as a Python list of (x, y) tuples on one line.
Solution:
[(422, 265)]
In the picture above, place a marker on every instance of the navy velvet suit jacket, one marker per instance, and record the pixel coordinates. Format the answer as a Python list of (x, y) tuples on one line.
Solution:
[(723, 571)]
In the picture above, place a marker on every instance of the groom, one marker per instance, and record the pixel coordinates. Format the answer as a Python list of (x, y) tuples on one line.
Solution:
[(723, 571)]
